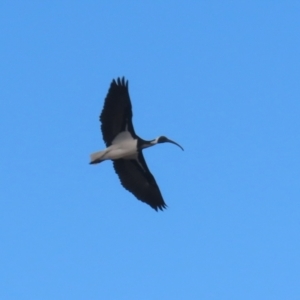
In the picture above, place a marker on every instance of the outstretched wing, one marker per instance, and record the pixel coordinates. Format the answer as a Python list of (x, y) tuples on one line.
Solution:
[(116, 115), (137, 179)]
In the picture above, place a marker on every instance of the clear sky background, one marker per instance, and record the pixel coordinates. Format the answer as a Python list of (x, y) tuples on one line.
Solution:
[(219, 77)]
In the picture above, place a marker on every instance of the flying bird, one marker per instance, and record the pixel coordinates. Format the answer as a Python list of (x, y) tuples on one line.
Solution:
[(124, 146)]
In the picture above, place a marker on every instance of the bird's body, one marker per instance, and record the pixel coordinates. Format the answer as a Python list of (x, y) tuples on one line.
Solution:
[(124, 147)]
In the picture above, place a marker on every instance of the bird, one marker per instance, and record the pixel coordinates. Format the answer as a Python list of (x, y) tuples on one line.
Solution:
[(124, 146)]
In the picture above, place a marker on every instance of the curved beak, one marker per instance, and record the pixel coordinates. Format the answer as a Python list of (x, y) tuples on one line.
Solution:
[(172, 142)]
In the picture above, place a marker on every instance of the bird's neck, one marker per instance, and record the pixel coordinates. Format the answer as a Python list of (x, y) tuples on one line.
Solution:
[(142, 144)]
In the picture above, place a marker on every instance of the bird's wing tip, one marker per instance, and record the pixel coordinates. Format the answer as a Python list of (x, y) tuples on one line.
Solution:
[(120, 81), (161, 207)]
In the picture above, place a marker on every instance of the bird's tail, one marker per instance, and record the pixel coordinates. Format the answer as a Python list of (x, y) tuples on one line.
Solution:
[(96, 157)]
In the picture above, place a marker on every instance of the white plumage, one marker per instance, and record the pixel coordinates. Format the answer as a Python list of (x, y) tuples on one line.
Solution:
[(123, 146)]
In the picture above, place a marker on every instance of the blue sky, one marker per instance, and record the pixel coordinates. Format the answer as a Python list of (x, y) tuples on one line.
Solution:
[(219, 77)]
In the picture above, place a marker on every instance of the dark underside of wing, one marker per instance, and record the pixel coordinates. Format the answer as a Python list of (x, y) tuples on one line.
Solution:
[(137, 179), (117, 113)]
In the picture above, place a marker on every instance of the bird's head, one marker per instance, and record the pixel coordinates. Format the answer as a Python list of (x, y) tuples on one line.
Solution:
[(163, 139)]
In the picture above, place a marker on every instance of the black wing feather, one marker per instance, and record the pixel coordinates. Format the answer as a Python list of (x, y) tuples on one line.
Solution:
[(117, 111), (137, 179)]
